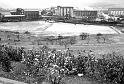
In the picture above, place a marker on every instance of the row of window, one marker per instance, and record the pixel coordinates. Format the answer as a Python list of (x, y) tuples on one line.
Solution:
[(64, 11), (85, 13), (117, 12), (32, 15)]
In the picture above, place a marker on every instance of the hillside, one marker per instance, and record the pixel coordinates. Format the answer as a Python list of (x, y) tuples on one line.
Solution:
[(4, 11)]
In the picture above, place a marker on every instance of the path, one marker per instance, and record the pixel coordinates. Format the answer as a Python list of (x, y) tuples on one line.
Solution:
[(9, 81), (115, 29), (79, 80)]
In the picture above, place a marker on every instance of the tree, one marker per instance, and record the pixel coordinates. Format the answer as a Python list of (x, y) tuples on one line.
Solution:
[(43, 12), (1, 16), (8, 37), (50, 13), (18, 37), (67, 16), (19, 11), (100, 36)]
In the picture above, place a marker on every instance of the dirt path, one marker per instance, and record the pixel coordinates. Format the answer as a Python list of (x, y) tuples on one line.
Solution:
[(9, 81), (79, 80)]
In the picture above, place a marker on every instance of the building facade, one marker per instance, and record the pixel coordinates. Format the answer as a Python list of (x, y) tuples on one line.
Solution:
[(116, 11), (64, 11), (31, 14), (88, 15)]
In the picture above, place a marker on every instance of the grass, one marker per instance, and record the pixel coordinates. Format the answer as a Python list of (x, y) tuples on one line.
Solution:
[(29, 42)]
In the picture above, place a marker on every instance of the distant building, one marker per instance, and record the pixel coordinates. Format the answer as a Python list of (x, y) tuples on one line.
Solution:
[(11, 18), (64, 11), (87, 15), (13, 12), (31, 14), (18, 11), (116, 11)]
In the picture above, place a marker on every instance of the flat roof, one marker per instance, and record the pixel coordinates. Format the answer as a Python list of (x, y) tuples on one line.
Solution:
[(5, 13), (122, 9), (65, 6), (14, 15), (47, 16), (12, 11), (30, 10)]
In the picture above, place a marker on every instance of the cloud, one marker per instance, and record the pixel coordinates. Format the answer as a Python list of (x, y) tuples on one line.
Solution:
[(4, 5), (108, 4), (48, 3)]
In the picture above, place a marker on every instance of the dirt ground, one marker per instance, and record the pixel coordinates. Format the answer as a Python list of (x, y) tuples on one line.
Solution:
[(113, 42)]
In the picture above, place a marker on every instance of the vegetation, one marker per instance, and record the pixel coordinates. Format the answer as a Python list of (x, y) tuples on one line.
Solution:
[(52, 65)]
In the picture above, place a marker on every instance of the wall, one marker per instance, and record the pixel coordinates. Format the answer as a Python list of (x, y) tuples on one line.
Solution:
[(85, 14), (63, 11), (31, 15), (116, 11)]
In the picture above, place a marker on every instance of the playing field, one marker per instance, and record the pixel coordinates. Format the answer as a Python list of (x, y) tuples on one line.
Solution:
[(40, 27)]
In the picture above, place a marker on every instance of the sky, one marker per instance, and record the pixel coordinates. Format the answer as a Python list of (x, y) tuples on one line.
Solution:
[(48, 3)]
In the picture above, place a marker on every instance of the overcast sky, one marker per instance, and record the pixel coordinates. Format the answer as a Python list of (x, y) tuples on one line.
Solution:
[(48, 3)]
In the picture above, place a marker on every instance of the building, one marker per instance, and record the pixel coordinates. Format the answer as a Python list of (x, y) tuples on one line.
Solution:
[(31, 14), (116, 11), (13, 18), (18, 11), (87, 15), (13, 12), (64, 11)]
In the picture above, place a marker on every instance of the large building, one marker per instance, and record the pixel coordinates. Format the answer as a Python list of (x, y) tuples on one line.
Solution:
[(88, 15), (64, 11), (31, 14), (116, 11)]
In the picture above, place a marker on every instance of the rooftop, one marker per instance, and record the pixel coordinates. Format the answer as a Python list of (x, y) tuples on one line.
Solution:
[(65, 6), (116, 9), (83, 10), (14, 15), (5, 13)]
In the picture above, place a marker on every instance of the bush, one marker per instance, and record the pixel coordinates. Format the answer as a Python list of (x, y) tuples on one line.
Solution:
[(43, 63)]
